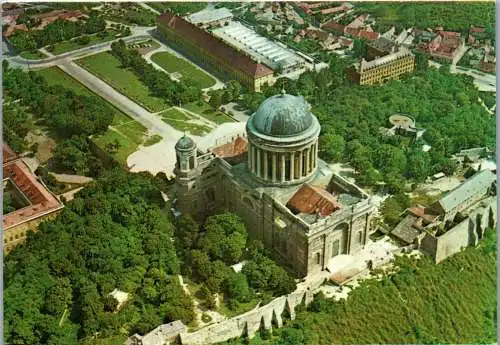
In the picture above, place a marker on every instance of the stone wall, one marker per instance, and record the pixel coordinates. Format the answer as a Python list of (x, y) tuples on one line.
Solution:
[(248, 324), (467, 233)]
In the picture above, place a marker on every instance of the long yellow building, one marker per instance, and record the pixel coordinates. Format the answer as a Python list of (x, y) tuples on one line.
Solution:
[(382, 69)]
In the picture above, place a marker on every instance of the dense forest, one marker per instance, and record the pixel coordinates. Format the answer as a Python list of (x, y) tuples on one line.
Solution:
[(208, 251), (423, 303), (70, 118), (58, 31), (452, 16), (351, 116), (112, 235)]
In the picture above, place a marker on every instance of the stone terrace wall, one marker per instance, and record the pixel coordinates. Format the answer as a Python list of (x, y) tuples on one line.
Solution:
[(466, 233), (267, 316)]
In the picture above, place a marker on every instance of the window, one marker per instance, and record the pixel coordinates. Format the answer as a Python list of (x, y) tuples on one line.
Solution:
[(335, 248), (360, 236), (318, 258)]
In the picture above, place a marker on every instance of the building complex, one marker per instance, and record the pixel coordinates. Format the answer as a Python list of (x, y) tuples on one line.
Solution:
[(27, 202)]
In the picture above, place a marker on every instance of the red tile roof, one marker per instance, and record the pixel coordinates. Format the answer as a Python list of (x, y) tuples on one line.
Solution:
[(371, 35), (232, 149), (477, 29), (12, 29), (332, 25), (8, 154), (41, 200), (312, 199), (212, 45)]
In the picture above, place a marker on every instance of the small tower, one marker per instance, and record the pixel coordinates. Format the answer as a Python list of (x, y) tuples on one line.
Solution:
[(186, 176), (185, 150)]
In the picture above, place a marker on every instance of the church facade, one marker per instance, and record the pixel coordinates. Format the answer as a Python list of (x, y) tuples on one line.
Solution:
[(274, 180)]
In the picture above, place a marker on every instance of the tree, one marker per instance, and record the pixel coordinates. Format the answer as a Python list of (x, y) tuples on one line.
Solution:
[(237, 288), (421, 61), (215, 99), (225, 238), (332, 147), (188, 232)]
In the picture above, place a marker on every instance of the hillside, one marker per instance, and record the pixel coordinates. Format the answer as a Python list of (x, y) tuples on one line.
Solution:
[(453, 302)]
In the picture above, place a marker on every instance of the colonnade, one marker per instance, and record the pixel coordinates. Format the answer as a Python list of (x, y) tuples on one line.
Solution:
[(282, 166)]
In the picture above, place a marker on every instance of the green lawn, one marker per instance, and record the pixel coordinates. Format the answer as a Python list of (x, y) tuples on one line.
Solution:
[(34, 55), (55, 76), (67, 46), (173, 64), (154, 139), (128, 133), (208, 112), (107, 67), (181, 122)]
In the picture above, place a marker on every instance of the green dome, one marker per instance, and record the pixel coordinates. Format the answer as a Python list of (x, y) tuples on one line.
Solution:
[(283, 115), (185, 144)]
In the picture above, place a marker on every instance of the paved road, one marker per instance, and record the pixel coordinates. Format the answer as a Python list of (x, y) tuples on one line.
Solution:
[(147, 7), (139, 34), (483, 81), (138, 113)]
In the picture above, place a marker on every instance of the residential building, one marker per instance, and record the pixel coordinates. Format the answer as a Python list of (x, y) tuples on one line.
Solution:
[(388, 67)]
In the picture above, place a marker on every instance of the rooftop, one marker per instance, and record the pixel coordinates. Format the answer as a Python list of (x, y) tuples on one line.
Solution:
[(385, 59), (209, 15), (41, 201), (313, 200), (282, 115), (466, 190), (212, 45), (259, 48)]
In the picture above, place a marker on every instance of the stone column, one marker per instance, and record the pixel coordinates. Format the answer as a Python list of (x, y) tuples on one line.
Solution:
[(254, 160), (274, 166), (292, 166), (311, 158), (308, 155), (258, 162), (301, 157), (266, 173), (315, 154), (249, 163), (282, 155)]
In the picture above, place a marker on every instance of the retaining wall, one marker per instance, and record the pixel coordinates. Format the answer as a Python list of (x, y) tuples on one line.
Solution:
[(467, 233)]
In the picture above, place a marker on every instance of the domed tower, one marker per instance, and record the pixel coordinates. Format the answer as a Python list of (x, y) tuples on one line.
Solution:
[(185, 150), (283, 141), (186, 175)]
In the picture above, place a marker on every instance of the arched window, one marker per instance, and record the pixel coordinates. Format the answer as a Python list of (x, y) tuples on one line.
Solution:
[(318, 258)]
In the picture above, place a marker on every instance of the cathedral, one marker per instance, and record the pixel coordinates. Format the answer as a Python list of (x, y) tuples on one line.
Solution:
[(273, 179)]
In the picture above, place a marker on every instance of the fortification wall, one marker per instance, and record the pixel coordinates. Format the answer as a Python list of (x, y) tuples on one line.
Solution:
[(466, 233), (248, 324)]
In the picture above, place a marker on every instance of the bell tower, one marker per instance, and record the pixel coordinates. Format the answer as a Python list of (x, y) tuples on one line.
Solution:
[(187, 175)]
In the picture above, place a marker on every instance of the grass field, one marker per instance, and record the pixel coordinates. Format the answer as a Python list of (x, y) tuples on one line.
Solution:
[(183, 122), (173, 64), (127, 132), (67, 46), (55, 76), (424, 303), (35, 55), (208, 112), (153, 140), (107, 67)]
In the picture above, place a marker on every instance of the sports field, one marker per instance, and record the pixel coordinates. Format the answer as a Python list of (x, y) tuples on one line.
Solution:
[(173, 64)]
